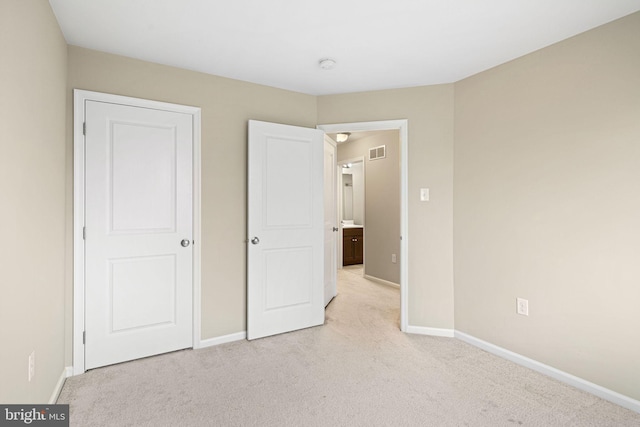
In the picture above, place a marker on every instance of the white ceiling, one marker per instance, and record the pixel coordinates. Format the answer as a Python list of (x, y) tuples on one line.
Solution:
[(377, 44)]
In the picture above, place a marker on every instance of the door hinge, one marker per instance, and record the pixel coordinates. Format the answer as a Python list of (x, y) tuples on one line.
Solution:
[(84, 128), (84, 233), (84, 337)]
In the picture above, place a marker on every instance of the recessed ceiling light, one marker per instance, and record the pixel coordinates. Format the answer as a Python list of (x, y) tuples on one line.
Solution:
[(327, 63)]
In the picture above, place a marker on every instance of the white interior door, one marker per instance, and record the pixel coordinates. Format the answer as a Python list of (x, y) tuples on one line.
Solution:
[(285, 229), (330, 219), (138, 245)]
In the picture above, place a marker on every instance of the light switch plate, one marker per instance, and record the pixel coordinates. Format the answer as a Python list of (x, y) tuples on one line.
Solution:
[(424, 194)]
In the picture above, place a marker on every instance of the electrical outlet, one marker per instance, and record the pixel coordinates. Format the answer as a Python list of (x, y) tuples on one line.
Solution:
[(394, 259), (522, 306), (32, 365)]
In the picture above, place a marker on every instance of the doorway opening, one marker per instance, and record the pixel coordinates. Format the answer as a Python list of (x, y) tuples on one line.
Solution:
[(395, 257), (351, 212)]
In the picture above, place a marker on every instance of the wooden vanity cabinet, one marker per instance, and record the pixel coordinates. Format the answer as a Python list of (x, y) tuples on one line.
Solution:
[(352, 246)]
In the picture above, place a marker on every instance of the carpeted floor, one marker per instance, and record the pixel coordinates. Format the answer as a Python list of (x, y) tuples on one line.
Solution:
[(356, 370)]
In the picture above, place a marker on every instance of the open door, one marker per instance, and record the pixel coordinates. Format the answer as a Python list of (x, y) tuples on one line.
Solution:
[(330, 219), (285, 258)]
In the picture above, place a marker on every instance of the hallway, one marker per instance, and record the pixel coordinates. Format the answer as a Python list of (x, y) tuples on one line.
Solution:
[(373, 306)]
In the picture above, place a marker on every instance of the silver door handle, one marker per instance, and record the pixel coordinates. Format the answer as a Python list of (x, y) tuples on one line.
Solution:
[(185, 243), (255, 240)]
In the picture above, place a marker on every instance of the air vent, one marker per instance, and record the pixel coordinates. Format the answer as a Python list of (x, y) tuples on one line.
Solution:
[(376, 153)]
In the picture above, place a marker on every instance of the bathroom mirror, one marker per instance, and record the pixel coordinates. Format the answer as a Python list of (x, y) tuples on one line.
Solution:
[(352, 193)]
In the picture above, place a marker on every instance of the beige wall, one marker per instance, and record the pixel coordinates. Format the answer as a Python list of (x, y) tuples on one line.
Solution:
[(32, 185), (429, 111), (547, 205), (226, 106), (382, 202)]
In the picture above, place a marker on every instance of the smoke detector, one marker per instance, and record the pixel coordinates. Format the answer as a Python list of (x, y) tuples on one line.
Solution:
[(327, 63)]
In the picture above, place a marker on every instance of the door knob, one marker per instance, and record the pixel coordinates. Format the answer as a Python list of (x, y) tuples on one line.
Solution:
[(255, 240), (185, 243)]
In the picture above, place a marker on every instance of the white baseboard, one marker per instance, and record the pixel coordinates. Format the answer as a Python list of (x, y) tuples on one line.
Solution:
[(382, 281), (434, 332), (66, 373), (572, 380), (210, 342)]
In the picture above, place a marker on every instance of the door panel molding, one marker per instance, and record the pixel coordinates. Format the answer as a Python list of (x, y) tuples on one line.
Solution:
[(403, 127), (81, 97)]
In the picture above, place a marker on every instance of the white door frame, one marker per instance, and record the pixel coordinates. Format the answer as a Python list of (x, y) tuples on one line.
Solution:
[(403, 127), (79, 102)]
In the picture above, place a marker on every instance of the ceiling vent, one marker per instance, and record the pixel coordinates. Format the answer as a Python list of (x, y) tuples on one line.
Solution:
[(376, 153)]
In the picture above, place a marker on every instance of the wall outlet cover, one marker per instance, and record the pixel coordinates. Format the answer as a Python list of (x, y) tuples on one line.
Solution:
[(522, 306)]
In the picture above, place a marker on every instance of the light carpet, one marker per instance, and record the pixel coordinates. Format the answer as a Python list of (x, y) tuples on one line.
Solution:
[(356, 370)]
